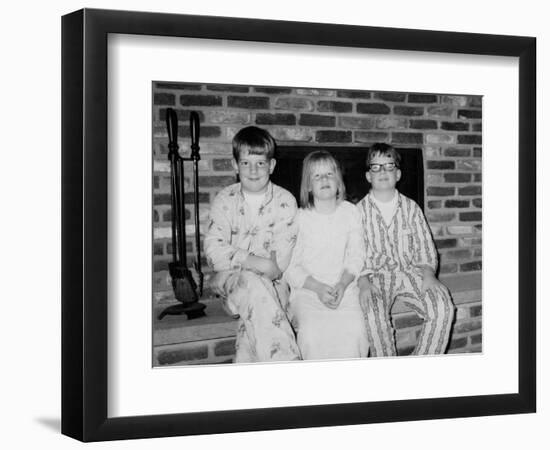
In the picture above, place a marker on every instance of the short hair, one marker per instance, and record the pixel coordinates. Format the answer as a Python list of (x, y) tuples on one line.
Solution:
[(256, 141), (383, 149), (311, 160)]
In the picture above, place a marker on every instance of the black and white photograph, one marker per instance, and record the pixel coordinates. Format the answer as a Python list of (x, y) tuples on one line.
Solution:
[(314, 223), (279, 224), (256, 225)]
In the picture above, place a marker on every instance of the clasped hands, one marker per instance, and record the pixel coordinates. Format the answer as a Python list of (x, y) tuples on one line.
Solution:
[(330, 296)]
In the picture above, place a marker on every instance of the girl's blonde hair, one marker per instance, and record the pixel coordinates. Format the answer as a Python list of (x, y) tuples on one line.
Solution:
[(311, 160)]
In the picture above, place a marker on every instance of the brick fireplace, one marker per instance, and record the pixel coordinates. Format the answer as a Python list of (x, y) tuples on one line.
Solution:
[(438, 134)]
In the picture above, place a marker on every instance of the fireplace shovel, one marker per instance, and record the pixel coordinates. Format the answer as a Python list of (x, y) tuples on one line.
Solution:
[(186, 290)]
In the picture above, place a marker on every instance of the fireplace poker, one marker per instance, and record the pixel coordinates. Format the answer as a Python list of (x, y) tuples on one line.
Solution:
[(184, 286), (194, 123)]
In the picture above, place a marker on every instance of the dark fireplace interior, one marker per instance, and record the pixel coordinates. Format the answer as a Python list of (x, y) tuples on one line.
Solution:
[(288, 171)]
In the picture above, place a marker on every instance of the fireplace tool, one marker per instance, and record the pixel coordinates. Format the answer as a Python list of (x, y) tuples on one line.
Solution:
[(186, 289)]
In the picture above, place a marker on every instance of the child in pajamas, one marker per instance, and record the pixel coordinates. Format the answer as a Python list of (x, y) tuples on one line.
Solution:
[(249, 241), (328, 256), (401, 261)]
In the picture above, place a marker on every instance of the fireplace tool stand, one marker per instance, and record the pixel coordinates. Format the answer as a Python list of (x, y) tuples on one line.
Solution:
[(186, 290)]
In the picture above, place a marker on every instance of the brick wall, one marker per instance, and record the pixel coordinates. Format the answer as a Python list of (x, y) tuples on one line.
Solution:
[(446, 127)]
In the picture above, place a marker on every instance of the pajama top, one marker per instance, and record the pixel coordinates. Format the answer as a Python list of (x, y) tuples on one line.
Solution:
[(234, 231), (406, 244)]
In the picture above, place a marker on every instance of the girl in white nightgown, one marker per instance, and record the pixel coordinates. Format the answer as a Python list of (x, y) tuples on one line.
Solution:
[(328, 257)]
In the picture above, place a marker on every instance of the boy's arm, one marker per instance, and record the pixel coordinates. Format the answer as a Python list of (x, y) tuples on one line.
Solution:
[(368, 266), (219, 252), (265, 266), (295, 274), (285, 229), (425, 255), (366, 288)]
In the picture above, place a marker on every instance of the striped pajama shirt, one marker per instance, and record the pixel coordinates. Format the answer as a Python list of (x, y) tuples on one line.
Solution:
[(397, 254)]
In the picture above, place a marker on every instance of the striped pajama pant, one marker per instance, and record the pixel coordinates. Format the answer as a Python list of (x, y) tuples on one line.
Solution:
[(435, 307)]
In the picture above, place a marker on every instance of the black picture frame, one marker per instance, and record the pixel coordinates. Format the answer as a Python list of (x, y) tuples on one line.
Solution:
[(84, 224)]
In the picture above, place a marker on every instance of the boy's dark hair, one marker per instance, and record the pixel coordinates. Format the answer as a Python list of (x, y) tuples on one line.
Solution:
[(383, 149), (256, 141)]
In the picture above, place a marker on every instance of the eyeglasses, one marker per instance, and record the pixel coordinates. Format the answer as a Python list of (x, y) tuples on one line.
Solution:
[(388, 167)]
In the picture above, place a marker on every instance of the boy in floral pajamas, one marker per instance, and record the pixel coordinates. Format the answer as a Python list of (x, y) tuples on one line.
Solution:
[(249, 242), (401, 261)]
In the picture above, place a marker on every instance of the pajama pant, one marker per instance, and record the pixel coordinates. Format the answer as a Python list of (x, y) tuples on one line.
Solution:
[(263, 332), (435, 307)]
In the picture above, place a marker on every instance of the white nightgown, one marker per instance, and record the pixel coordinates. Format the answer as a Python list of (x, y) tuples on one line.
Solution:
[(326, 245)]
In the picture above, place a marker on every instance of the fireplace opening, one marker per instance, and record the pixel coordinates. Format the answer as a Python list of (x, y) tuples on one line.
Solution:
[(288, 172)]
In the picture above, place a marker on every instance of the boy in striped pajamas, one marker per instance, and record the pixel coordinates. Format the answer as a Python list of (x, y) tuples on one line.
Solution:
[(401, 261)]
